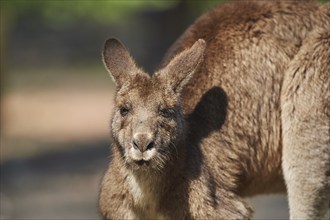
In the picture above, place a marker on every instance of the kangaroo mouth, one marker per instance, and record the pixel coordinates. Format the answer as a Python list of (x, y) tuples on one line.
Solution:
[(142, 162)]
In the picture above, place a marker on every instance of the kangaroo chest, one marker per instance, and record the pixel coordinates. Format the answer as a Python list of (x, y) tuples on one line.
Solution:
[(146, 199)]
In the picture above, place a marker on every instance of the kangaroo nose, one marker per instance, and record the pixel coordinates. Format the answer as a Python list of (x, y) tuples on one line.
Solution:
[(143, 141)]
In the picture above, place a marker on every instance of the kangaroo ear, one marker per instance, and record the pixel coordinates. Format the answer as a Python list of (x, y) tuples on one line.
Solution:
[(118, 61), (182, 67)]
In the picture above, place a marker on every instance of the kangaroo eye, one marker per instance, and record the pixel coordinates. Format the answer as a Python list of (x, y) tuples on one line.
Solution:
[(123, 111), (167, 112)]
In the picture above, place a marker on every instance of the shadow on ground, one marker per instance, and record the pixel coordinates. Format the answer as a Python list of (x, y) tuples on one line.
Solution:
[(55, 185)]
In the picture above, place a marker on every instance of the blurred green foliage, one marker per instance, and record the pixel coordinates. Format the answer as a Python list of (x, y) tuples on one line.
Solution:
[(66, 11), (61, 15)]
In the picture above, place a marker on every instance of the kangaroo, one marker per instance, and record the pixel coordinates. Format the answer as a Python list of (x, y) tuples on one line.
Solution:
[(239, 107)]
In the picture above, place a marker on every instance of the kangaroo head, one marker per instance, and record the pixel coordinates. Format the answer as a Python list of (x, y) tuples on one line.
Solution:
[(147, 121)]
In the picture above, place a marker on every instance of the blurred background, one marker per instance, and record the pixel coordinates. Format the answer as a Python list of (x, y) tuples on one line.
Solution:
[(56, 98)]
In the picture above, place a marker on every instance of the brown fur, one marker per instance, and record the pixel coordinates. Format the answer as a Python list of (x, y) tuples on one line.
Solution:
[(229, 116)]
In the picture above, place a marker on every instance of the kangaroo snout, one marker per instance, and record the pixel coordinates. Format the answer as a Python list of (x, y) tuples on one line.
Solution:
[(143, 141)]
